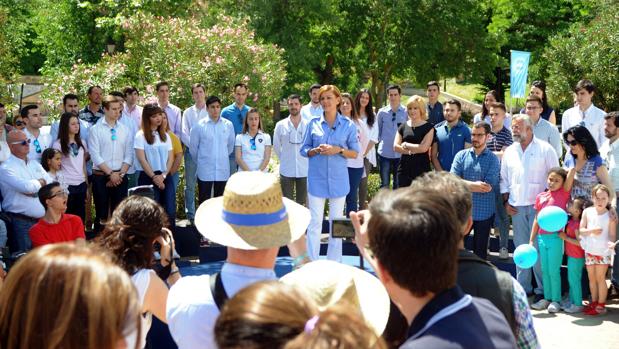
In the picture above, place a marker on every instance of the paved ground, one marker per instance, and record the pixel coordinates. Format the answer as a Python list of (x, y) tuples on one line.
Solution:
[(578, 331)]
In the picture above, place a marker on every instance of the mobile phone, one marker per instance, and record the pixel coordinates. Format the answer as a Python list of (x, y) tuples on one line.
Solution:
[(342, 228)]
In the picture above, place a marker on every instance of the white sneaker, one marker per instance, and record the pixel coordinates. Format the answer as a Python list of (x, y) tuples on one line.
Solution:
[(540, 305), (554, 307), (503, 253), (574, 309)]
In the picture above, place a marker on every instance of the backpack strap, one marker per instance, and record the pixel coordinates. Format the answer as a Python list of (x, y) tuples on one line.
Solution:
[(217, 290)]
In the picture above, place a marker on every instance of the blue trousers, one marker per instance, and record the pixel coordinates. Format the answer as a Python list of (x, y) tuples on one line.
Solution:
[(522, 224), (354, 178), (501, 220), (166, 197), (387, 168), (190, 185)]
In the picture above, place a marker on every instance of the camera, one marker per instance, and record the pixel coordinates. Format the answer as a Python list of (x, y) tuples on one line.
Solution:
[(342, 228)]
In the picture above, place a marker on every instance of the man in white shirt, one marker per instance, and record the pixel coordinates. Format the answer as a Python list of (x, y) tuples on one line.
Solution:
[(21, 180), (173, 112), (585, 113), (542, 129), (132, 110), (610, 153), (40, 139), (194, 302), (191, 117), (110, 144), (313, 109), (524, 169), (287, 141)]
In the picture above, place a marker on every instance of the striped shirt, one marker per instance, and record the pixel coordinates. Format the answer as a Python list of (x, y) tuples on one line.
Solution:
[(500, 140)]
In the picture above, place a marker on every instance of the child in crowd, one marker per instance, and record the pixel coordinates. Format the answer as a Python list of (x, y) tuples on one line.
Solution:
[(51, 160), (575, 255), (550, 245), (253, 146), (597, 231)]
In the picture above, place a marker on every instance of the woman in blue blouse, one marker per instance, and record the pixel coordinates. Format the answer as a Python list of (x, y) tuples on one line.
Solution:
[(329, 140)]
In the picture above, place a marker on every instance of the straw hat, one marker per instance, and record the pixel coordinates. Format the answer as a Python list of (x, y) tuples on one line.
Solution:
[(252, 214), (328, 283)]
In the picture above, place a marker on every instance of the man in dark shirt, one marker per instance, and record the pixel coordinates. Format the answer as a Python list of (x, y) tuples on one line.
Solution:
[(435, 108)]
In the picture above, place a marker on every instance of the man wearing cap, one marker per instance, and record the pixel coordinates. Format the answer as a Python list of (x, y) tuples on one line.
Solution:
[(439, 313), (253, 222)]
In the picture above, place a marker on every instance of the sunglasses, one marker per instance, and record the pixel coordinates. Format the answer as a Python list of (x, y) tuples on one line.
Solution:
[(573, 143), (113, 130), (75, 150), (37, 145), (24, 142), (252, 142), (19, 123)]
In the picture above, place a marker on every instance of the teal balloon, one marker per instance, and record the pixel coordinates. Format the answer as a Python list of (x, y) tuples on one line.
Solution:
[(552, 219), (525, 256)]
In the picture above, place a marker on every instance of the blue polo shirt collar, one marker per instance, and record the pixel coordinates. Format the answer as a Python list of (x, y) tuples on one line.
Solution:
[(432, 308)]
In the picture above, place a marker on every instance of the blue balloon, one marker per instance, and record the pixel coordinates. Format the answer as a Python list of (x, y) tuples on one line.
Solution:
[(552, 219), (525, 256)]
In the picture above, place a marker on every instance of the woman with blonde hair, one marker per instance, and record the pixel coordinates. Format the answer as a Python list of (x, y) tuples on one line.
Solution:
[(413, 140), (68, 296)]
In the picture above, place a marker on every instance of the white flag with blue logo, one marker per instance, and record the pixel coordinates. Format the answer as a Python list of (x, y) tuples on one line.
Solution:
[(519, 69)]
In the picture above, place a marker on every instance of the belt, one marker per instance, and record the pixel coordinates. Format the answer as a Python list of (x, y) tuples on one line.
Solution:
[(101, 173), (22, 217)]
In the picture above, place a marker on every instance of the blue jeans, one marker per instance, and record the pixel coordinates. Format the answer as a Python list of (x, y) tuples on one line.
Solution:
[(21, 228), (522, 224), (354, 178), (388, 167), (501, 220), (190, 185), (233, 165), (166, 197), (3, 234)]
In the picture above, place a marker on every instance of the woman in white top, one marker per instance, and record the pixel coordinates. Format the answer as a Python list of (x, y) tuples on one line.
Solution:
[(153, 152), (130, 236), (355, 165), (253, 147), (74, 154), (363, 105)]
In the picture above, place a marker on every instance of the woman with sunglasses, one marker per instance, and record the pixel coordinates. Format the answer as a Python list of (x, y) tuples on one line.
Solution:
[(18, 122), (585, 158), (74, 155), (253, 146)]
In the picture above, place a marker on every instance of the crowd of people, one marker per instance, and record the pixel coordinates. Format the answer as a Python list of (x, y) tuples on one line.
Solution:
[(446, 177)]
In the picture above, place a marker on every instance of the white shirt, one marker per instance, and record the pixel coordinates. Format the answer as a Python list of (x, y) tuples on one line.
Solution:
[(287, 142), (191, 116), (156, 154), (524, 173), (610, 154), (103, 149), (507, 122), (253, 157), (134, 114), (20, 185), (191, 310), (363, 137), (593, 120), (174, 118), (5, 151), (210, 146), (141, 281), (596, 244), (44, 139), (373, 134), (308, 112)]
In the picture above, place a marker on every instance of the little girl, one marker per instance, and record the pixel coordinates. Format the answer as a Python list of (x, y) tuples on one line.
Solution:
[(51, 160), (550, 245), (597, 231), (575, 254)]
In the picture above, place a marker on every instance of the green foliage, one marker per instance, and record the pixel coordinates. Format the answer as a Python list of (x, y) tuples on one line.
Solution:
[(181, 52), (587, 50)]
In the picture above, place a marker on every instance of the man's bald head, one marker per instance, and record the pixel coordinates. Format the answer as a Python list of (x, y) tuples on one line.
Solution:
[(15, 140)]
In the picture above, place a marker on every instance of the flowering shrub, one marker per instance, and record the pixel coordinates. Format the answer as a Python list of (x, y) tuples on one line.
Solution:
[(181, 52)]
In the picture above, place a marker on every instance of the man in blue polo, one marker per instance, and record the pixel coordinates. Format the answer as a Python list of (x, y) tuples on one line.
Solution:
[(479, 168), (452, 135), (389, 119), (236, 113)]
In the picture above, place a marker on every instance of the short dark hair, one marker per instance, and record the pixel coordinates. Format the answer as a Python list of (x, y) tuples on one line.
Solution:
[(69, 96), (241, 84), (446, 182), (118, 94), (198, 85), (314, 87), (534, 98), (161, 84), (25, 110), (212, 99), (94, 87), (107, 100), (613, 115), (433, 83), (414, 235), (45, 193), (129, 90), (395, 87), (499, 105), (295, 96), (585, 84), (455, 102), (484, 125)]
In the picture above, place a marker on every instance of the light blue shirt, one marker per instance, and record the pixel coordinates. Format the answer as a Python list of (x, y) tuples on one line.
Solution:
[(191, 310), (388, 123), (236, 116), (548, 132), (211, 144), (309, 112), (328, 174)]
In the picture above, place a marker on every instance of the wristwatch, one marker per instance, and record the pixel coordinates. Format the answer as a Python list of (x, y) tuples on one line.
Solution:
[(341, 151)]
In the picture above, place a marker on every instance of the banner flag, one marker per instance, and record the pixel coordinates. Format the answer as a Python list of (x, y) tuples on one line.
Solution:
[(519, 70)]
